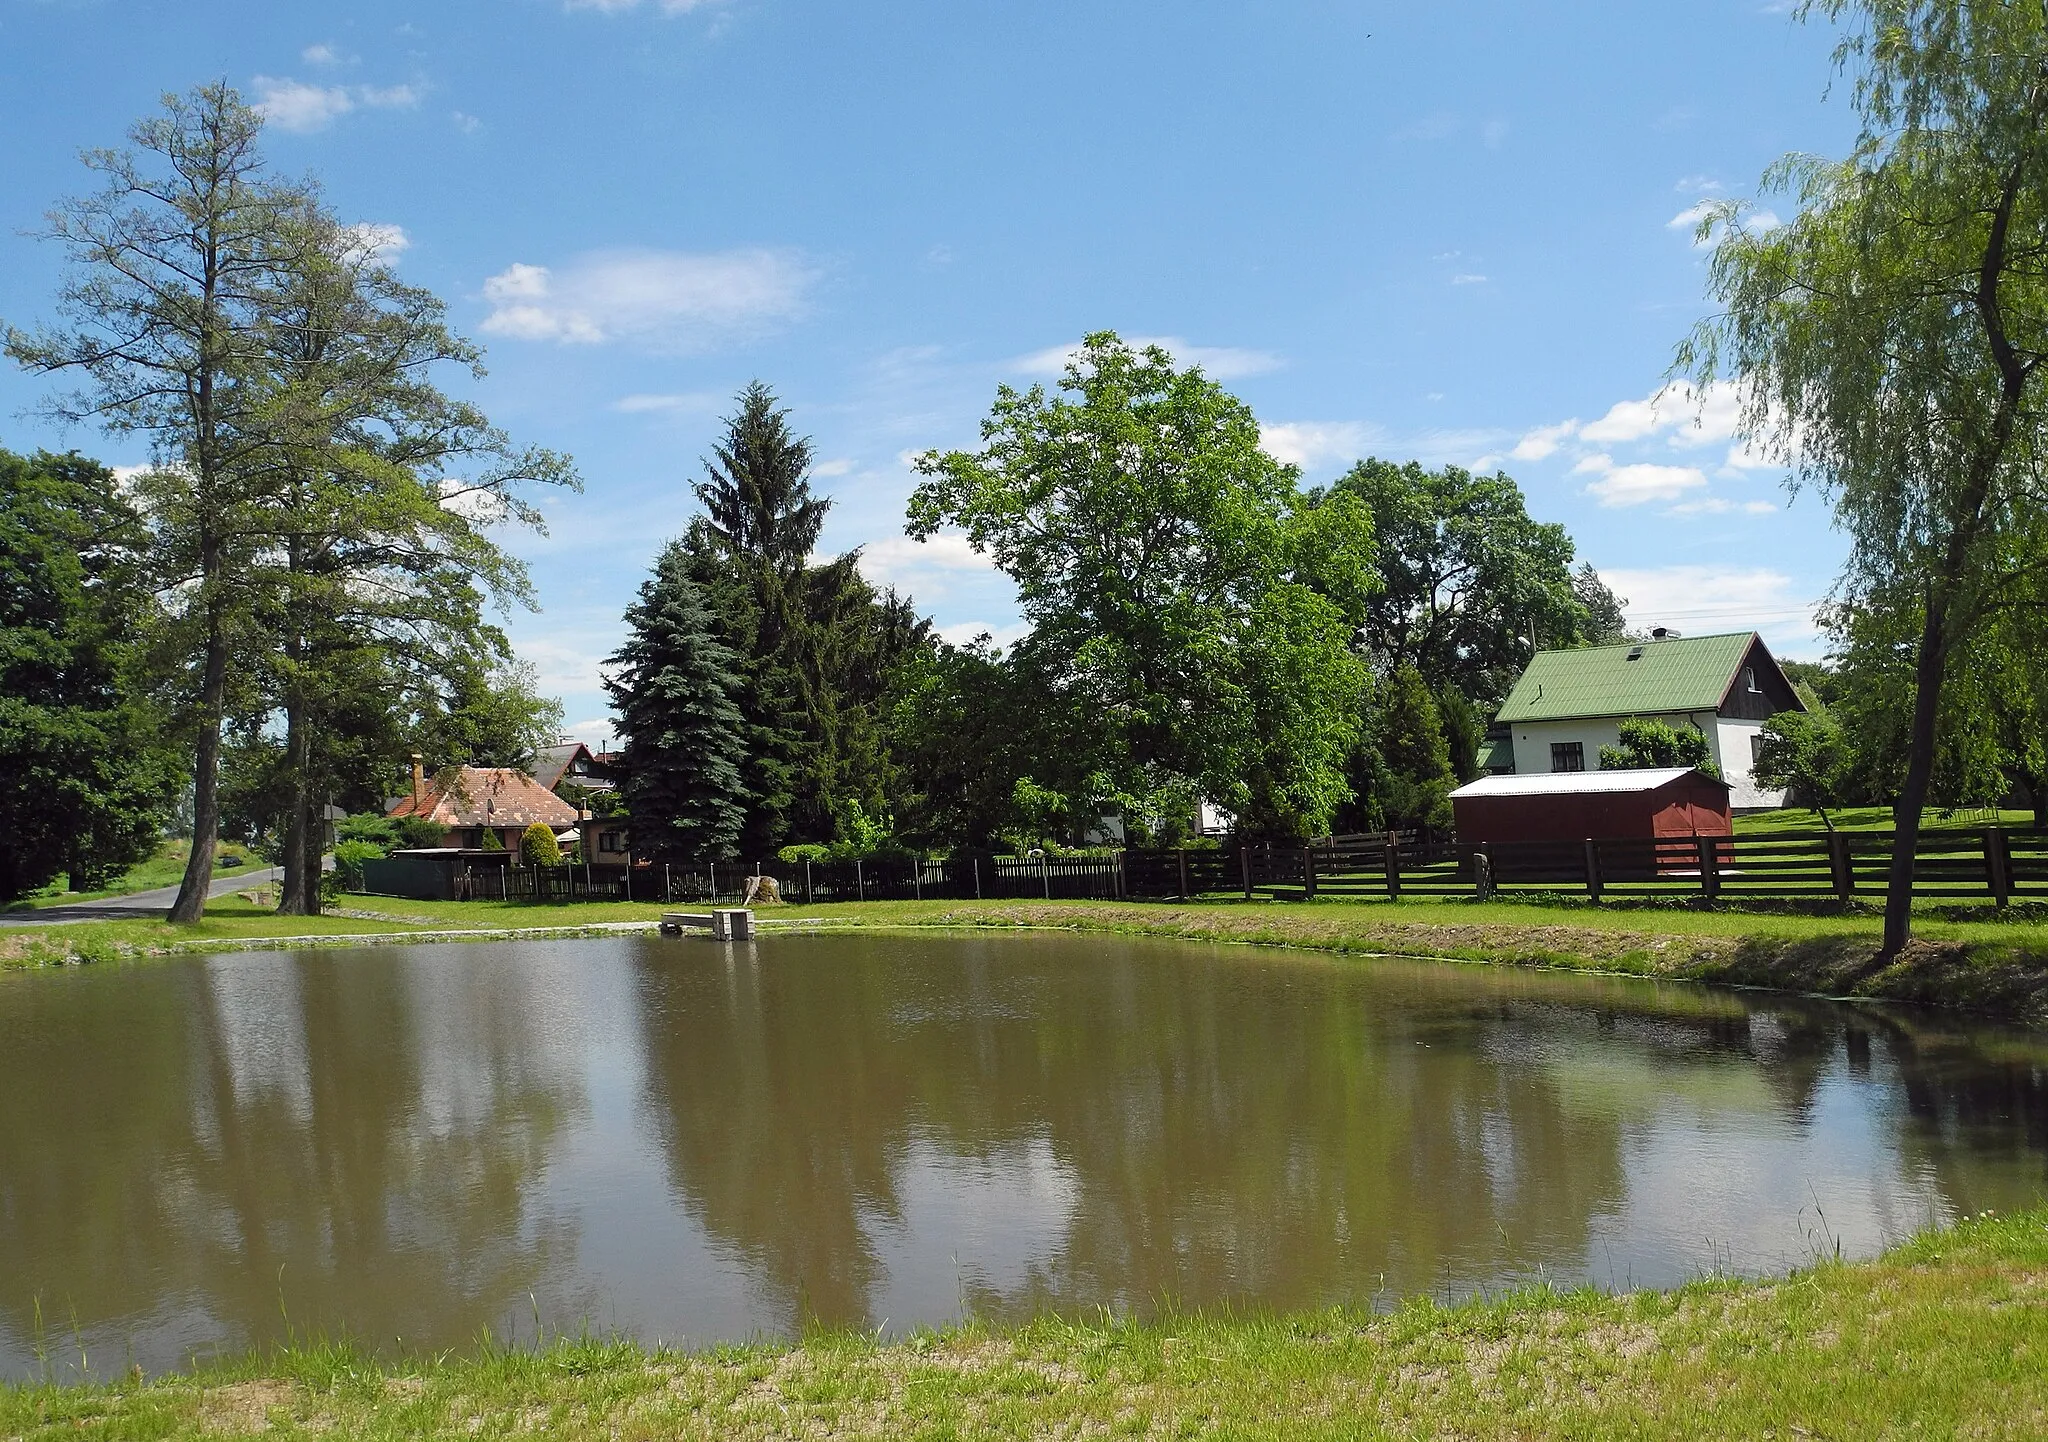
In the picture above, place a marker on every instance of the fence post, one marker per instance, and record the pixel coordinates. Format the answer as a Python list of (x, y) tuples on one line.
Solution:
[(807, 881), (1482, 875), (1244, 865), (1044, 876), (1710, 865), (1308, 873), (1997, 865), (977, 877), (1841, 864), (1183, 855), (917, 877), (1122, 891), (1592, 868), (860, 882), (1392, 858)]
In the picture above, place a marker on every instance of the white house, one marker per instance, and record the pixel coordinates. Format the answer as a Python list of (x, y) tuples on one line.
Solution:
[(1569, 704)]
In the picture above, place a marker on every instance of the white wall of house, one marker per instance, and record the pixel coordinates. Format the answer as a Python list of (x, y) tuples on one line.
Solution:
[(1728, 740)]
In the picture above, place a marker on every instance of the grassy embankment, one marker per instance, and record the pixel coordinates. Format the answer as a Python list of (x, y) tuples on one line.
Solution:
[(1946, 1336), (1997, 968), (1874, 818), (166, 868)]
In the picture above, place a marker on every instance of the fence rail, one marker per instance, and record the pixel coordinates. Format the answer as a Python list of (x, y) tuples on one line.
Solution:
[(1992, 864)]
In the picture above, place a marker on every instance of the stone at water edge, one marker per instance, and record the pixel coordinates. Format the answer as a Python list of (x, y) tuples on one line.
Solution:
[(763, 890)]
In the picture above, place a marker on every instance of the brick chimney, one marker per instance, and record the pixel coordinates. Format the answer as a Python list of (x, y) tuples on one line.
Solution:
[(419, 781)]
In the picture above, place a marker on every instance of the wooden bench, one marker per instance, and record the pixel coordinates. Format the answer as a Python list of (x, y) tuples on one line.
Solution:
[(728, 923)]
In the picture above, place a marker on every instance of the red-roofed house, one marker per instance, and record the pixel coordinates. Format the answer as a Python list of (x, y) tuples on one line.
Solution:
[(470, 800)]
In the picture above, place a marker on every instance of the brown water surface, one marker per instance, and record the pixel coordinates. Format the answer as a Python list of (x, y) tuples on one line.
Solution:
[(694, 1142)]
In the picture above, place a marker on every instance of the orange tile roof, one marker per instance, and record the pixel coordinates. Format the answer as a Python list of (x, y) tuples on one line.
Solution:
[(486, 796)]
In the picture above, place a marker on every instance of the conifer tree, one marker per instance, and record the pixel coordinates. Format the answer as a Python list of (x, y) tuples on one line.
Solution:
[(672, 686)]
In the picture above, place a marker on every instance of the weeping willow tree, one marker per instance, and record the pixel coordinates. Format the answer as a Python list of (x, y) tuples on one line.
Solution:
[(1888, 341)]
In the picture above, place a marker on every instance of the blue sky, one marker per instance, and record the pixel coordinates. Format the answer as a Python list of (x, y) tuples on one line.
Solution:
[(1448, 232)]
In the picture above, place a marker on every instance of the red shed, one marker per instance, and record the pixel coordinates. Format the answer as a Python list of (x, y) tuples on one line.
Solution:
[(1576, 805)]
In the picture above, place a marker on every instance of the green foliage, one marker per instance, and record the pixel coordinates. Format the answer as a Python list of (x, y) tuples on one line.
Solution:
[(1191, 613), (1468, 577), (672, 685), (486, 718), (86, 773), (490, 840), (1416, 777), (1651, 744), (855, 833), (1804, 754), (803, 851), (349, 857), (538, 847), (817, 648)]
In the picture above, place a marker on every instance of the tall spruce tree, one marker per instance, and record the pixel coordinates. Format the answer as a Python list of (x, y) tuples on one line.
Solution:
[(817, 647), (684, 736)]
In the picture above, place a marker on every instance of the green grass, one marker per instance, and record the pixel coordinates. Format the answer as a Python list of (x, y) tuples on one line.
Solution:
[(1946, 1336), (1873, 818), (166, 868)]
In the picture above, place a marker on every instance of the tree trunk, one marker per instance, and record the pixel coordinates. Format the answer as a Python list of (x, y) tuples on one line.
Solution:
[(191, 903), (1929, 672), (300, 893)]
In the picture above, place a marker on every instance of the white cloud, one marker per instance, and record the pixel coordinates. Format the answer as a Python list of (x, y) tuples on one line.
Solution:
[(837, 466), (1217, 362), (598, 731), (1694, 416), (1468, 279), (320, 55), (1543, 441), (685, 401), (298, 106), (381, 241), (895, 559), (668, 299), (1003, 633), (1638, 484), (1700, 600), (1698, 185), (466, 123), (1722, 506), (1750, 222), (1310, 444)]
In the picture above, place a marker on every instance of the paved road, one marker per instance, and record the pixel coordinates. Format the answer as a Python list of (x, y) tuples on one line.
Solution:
[(135, 904)]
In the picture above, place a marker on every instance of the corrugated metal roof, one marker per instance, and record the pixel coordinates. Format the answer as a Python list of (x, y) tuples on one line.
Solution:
[(1578, 783), (1685, 673)]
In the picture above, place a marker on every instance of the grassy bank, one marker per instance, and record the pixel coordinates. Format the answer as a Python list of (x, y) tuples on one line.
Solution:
[(1947, 1336), (1995, 968), (165, 868)]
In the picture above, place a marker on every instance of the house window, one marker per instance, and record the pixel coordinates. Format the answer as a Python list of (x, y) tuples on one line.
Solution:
[(1756, 748), (1749, 679), (1567, 756), (609, 841)]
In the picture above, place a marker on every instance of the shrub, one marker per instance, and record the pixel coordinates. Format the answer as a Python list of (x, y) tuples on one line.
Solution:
[(538, 847), (349, 857), (489, 841), (806, 851)]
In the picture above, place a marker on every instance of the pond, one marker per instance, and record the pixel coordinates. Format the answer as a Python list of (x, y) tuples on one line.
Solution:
[(694, 1142)]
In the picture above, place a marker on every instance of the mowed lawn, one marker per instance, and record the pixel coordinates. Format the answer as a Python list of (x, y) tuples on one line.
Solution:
[(1944, 1337)]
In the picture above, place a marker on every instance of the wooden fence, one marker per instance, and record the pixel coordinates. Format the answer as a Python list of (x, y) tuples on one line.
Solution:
[(1992, 864)]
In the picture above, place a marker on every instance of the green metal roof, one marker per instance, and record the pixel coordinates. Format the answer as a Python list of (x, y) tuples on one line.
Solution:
[(1684, 673)]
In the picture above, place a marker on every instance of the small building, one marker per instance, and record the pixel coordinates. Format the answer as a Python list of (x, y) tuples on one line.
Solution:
[(1597, 805), (1569, 704), (470, 800), (574, 763)]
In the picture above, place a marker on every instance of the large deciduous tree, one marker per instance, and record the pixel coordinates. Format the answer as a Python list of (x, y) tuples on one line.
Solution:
[(86, 770), (1472, 583), (1191, 612), (1889, 340)]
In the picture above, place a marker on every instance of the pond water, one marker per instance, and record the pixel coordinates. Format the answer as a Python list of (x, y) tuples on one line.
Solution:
[(692, 1142)]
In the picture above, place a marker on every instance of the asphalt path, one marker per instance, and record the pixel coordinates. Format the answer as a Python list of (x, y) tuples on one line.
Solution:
[(136, 904)]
